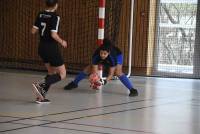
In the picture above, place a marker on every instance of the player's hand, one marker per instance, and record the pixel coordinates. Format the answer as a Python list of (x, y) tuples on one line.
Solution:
[(103, 82), (64, 44)]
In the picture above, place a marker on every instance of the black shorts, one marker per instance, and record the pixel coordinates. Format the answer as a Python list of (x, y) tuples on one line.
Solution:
[(50, 53)]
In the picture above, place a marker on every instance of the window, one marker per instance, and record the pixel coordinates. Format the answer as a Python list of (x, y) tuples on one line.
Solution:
[(176, 29)]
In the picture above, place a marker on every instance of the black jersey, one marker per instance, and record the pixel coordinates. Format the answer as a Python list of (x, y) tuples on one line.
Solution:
[(47, 22), (111, 60)]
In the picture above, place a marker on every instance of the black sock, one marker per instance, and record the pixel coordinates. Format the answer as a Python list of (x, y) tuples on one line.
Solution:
[(46, 88), (51, 79), (47, 76)]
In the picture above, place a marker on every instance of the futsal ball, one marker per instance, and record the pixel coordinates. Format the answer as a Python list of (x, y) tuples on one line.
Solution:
[(95, 81)]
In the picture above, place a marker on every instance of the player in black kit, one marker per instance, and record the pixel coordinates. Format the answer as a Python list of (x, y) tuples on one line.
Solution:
[(47, 24), (108, 55)]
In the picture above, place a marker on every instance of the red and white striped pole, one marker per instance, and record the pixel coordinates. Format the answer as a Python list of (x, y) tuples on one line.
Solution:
[(101, 21), (101, 24)]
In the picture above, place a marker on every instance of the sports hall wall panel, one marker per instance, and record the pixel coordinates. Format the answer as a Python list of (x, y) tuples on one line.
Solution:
[(78, 26)]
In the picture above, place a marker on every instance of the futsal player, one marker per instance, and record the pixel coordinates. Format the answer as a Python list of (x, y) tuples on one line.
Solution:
[(47, 24), (109, 55)]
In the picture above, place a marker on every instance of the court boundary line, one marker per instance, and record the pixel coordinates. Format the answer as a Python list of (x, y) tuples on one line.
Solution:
[(79, 124), (79, 110), (73, 111), (76, 130), (61, 121), (121, 129)]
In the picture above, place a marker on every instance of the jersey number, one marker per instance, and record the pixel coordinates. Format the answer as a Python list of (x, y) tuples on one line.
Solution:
[(43, 28)]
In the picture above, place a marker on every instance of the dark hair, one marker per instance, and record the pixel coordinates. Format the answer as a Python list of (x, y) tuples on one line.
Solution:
[(51, 3), (106, 46), (107, 42)]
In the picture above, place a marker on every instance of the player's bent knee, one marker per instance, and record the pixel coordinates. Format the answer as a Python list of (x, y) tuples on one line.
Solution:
[(63, 75), (118, 74)]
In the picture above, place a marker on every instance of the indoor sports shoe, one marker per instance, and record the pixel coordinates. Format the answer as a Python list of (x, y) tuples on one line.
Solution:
[(70, 86), (45, 101), (39, 90), (133, 92)]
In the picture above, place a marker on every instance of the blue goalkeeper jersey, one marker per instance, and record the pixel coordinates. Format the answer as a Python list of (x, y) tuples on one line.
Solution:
[(114, 58)]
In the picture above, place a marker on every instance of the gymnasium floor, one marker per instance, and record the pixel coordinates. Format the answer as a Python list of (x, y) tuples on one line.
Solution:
[(164, 106)]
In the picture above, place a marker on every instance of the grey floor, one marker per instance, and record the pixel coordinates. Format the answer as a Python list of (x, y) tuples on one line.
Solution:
[(164, 106)]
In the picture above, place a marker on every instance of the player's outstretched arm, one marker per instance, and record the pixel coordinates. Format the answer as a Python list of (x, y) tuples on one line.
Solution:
[(34, 30), (111, 73), (94, 69), (56, 37)]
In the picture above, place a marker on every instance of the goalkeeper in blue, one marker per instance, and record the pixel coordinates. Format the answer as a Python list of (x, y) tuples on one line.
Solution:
[(107, 55)]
